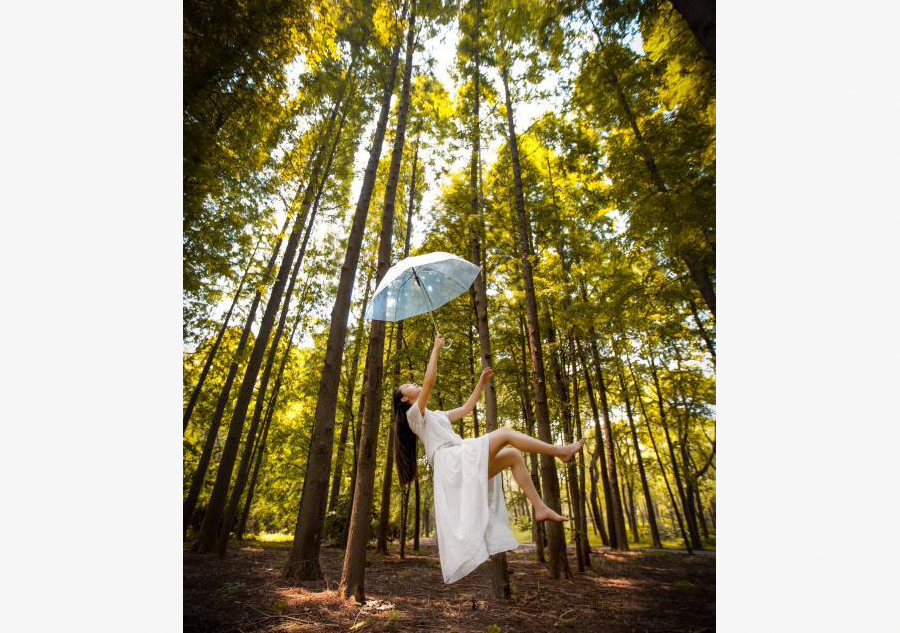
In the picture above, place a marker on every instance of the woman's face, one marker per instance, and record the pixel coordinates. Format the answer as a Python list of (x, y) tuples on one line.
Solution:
[(410, 392)]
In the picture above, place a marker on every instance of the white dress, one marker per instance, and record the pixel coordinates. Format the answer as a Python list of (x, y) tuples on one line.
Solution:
[(469, 509)]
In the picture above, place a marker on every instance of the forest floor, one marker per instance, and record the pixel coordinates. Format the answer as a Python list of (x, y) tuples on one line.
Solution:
[(634, 591)]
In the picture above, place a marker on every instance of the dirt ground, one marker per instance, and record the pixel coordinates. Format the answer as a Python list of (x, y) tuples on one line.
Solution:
[(637, 591)]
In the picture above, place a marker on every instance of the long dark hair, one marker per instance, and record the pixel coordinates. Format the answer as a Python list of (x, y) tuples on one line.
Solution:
[(404, 441)]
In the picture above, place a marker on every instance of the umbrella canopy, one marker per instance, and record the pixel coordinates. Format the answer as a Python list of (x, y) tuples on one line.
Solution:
[(420, 284)]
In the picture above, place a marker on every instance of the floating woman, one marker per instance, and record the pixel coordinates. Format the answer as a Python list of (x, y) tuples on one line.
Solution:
[(469, 507)]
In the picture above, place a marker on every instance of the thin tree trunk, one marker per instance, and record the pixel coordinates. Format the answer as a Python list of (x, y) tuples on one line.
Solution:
[(648, 501), (528, 414), (416, 531), (710, 345), (384, 514), (244, 465), (195, 394), (662, 469), (190, 502), (602, 452), (562, 392), (209, 532), (353, 573), (356, 437), (404, 515), (674, 461), (348, 402), (270, 411), (582, 482), (595, 505), (559, 563), (696, 266), (381, 544), (303, 561), (473, 379)]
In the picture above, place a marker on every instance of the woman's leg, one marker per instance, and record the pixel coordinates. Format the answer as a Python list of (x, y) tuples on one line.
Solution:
[(508, 435), (512, 458)]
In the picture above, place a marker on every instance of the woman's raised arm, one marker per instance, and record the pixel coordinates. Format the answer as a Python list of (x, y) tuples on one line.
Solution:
[(467, 408), (430, 373)]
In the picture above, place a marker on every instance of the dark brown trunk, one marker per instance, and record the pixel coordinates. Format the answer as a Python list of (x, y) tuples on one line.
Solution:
[(303, 561), (527, 413), (562, 392), (209, 531), (582, 482), (404, 514), (559, 563), (701, 18), (697, 269), (599, 453), (270, 411), (648, 501), (472, 380), (418, 512), (615, 515), (348, 402), (356, 431), (662, 469), (384, 513), (384, 519), (195, 394), (244, 466), (353, 573), (710, 345), (674, 462), (190, 502), (595, 505)]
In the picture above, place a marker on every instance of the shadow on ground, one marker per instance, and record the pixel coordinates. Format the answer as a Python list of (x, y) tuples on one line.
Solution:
[(637, 591)]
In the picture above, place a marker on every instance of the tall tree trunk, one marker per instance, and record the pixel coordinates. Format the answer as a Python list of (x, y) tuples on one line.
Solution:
[(582, 482), (697, 266), (404, 515), (418, 503), (356, 436), (562, 392), (244, 466), (384, 513), (648, 501), (540, 535), (595, 505), (353, 573), (195, 394), (618, 514), (348, 402), (606, 448), (209, 531), (500, 584), (674, 462), (190, 502), (662, 469), (303, 561), (384, 519), (270, 411), (710, 345), (472, 377), (559, 563), (701, 18), (600, 453)]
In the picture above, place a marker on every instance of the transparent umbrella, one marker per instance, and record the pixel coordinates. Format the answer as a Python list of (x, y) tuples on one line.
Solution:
[(420, 284)]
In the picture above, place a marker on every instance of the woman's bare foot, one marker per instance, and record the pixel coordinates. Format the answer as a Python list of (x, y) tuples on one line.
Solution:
[(569, 450), (546, 514)]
